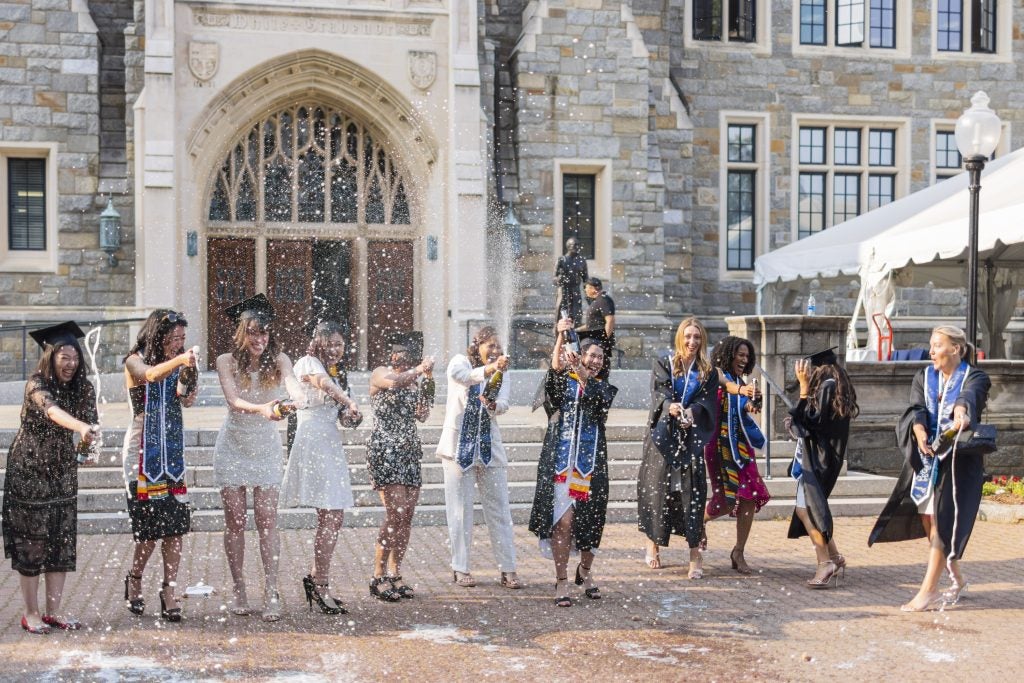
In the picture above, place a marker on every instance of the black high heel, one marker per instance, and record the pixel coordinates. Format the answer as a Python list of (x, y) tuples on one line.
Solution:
[(387, 593), (564, 600), (405, 591), (313, 595), (173, 614), (136, 606), (594, 593)]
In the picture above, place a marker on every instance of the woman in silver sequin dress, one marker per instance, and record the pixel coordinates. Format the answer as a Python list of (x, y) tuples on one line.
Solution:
[(393, 458)]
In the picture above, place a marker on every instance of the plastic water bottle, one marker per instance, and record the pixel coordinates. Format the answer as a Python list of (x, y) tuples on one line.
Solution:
[(811, 307)]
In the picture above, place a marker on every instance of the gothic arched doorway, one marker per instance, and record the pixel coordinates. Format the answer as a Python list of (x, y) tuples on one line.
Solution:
[(310, 207)]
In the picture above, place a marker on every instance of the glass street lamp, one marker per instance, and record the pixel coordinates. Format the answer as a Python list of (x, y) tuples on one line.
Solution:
[(977, 133)]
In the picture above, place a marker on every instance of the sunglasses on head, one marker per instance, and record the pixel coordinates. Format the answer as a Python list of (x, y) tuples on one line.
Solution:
[(174, 318)]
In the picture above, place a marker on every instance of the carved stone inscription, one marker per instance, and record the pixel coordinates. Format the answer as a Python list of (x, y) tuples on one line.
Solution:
[(280, 23)]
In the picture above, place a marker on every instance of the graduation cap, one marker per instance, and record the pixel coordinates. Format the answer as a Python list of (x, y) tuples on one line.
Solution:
[(410, 342), (56, 335), (826, 357), (259, 306)]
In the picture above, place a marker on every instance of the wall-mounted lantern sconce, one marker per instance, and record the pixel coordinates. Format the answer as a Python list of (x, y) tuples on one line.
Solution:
[(431, 247), (192, 243), (110, 231)]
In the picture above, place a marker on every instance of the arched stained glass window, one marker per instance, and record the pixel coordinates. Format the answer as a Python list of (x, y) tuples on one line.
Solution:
[(309, 164)]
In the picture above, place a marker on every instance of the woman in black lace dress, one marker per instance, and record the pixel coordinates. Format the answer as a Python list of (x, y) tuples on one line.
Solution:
[(393, 456), (40, 508)]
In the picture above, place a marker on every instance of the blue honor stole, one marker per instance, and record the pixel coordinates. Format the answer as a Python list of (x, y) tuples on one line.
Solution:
[(939, 399), (685, 386), (577, 444), (740, 444), (163, 441), (476, 430)]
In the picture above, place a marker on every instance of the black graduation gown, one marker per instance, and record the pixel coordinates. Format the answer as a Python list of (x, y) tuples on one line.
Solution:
[(900, 520), (589, 515), (824, 437), (661, 513)]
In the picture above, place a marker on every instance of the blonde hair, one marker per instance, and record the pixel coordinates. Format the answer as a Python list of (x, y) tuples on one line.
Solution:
[(959, 339), (703, 364)]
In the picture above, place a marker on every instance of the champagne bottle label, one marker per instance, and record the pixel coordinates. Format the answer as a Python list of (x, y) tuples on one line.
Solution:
[(493, 386)]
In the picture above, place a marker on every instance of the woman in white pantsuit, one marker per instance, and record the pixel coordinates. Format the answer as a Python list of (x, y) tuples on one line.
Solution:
[(471, 453)]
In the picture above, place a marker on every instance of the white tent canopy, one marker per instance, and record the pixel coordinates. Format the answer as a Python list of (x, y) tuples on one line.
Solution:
[(919, 239)]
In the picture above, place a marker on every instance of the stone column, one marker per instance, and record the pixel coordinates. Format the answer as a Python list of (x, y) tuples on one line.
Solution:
[(464, 257), (158, 244), (781, 339)]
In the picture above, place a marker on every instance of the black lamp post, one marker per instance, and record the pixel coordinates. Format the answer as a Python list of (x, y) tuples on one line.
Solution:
[(977, 133)]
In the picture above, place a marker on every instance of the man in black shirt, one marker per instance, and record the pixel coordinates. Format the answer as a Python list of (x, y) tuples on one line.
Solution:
[(599, 321)]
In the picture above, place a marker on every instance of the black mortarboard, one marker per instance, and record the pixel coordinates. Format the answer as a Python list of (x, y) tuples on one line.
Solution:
[(55, 335), (258, 305), (411, 341), (826, 357)]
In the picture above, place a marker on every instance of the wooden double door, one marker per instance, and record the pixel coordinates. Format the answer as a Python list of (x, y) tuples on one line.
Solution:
[(367, 287)]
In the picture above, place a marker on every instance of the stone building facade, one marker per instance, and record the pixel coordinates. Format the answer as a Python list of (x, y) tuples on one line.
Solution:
[(679, 140)]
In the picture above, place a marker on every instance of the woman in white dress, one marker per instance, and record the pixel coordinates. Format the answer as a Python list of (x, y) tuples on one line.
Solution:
[(317, 474), (249, 452)]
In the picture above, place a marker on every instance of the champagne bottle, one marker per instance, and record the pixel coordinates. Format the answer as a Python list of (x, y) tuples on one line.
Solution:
[(757, 401), (189, 379), (569, 337), (284, 408), (493, 386), (428, 388), (944, 441), (84, 452)]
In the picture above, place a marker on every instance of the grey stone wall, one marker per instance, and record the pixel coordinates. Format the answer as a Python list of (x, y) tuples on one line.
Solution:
[(50, 93), (667, 198), (581, 93), (918, 87)]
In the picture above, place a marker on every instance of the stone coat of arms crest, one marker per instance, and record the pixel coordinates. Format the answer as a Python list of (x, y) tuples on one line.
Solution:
[(422, 68), (203, 59)]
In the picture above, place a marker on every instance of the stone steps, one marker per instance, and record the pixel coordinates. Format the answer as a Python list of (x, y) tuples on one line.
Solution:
[(102, 497), (434, 515), (622, 487), (623, 466)]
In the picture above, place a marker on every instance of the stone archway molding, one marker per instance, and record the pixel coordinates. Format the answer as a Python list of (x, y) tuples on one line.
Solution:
[(313, 75)]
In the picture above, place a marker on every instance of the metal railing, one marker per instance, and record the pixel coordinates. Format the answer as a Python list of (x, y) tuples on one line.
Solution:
[(25, 329)]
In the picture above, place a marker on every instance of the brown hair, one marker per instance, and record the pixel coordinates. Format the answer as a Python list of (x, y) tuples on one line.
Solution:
[(703, 364), (150, 341), (844, 403), (483, 335), (270, 373), (318, 342)]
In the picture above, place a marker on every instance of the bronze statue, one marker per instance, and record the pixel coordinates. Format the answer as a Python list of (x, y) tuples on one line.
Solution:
[(570, 273)]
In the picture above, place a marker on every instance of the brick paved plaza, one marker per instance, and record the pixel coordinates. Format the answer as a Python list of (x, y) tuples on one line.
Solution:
[(652, 625)]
